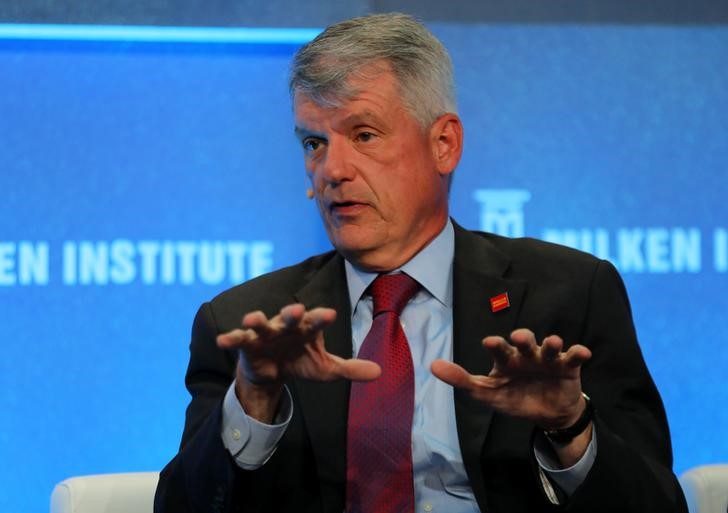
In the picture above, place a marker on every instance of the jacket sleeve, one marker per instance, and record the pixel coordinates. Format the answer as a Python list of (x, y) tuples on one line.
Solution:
[(632, 471), (201, 475)]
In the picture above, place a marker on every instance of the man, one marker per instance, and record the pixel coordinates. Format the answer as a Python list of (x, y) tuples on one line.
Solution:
[(283, 418)]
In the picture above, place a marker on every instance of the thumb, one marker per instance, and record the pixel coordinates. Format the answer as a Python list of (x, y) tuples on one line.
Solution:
[(356, 370), (451, 373)]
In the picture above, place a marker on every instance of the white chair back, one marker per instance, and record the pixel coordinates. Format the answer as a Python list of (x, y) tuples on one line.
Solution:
[(706, 488), (131, 492)]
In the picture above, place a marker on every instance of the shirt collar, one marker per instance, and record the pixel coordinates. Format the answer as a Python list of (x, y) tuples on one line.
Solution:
[(431, 267)]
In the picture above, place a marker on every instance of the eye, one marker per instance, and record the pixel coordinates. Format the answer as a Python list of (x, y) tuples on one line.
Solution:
[(311, 144), (365, 136)]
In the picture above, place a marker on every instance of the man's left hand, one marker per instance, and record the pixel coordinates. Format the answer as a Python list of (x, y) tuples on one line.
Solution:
[(541, 383)]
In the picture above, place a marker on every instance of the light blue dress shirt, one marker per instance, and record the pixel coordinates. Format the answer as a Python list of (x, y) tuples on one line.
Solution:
[(441, 484), (440, 481)]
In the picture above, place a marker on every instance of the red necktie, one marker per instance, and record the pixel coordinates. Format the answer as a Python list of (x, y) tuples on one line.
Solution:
[(379, 436)]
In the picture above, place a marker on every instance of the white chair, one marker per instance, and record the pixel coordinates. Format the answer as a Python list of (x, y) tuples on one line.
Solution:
[(706, 488), (131, 492)]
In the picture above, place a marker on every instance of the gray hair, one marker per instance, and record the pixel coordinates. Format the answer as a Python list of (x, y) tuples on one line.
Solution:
[(321, 69)]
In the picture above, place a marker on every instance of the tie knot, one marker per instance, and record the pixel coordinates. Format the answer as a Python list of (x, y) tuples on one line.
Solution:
[(391, 292)]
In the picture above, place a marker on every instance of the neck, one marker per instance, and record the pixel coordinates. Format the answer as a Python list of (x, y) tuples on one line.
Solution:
[(393, 257)]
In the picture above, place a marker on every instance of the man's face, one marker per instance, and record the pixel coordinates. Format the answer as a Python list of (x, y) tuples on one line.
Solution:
[(380, 189)]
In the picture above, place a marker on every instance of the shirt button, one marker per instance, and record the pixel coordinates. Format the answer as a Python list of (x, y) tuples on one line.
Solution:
[(236, 434), (401, 323), (427, 507)]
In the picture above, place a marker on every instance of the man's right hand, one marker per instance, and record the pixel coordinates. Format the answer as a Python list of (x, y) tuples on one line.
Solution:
[(288, 344)]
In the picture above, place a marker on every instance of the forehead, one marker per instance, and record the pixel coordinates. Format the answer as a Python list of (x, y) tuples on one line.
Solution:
[(373, 98)]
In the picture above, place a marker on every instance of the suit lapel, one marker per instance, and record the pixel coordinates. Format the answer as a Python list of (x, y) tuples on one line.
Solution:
[(479, 273), (325, 404)]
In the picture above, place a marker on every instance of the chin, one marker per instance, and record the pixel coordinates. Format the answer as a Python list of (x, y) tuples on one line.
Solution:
[(353, 237), (355, 251), (351, 247)]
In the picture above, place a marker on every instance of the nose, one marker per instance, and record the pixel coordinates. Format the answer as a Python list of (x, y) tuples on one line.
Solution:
[(336, 166)]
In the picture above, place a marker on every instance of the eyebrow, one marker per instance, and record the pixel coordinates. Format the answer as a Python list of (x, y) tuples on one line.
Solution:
[(366, 116), (301, 133)]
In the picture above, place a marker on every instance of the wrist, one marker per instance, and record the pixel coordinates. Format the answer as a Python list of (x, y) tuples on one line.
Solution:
[(260, 401), (567, 434)]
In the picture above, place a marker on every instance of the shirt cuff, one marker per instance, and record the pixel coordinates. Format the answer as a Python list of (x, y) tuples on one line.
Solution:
[(250, 442), (568, 479)]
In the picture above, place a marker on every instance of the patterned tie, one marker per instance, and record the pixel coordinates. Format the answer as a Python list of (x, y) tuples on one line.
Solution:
[(379, 437)]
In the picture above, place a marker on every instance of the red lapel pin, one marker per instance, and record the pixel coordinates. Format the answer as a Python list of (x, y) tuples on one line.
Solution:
[(499, 302)]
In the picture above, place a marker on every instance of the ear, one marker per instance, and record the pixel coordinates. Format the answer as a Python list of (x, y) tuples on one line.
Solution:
[(446, 141)]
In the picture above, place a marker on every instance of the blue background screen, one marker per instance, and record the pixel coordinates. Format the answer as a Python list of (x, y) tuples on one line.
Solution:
[(138, 180)]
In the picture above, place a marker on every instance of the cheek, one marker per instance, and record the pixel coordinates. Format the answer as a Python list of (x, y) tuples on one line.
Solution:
[(309, 168), (313, 179)]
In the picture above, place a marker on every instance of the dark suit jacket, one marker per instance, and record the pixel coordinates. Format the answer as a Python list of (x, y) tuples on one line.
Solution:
[(552, 290)]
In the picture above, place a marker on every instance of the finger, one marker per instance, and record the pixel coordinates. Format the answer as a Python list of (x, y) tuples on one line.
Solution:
[(481, 388), (355, 369), (551, 347), (292, 315), (452, 374), (576, 356), (501, 350), (233, 339), (317, 319), (525, 341), (256, 321)]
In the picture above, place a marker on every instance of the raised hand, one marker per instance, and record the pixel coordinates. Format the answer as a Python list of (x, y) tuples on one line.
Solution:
[(290, 343), (541, 383)]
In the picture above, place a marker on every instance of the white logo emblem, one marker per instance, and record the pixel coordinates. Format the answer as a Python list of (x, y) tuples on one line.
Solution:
[(501, 210)]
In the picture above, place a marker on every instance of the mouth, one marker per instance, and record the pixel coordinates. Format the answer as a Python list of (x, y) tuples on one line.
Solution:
[(346, 207)]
